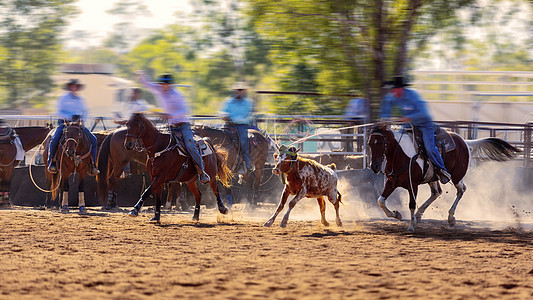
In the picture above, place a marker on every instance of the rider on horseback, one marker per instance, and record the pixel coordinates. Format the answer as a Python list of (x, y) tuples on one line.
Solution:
[(68, 106), (413, 110), (237, 112), (176, 109)]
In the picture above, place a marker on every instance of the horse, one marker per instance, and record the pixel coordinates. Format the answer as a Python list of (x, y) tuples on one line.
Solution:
[(165, 163), (258, 149), (73, 156), (29, 137), (393, 153), (113, 158)]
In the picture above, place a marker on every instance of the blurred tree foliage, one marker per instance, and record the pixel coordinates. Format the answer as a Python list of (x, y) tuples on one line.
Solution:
[(29, 47), (352, 44)]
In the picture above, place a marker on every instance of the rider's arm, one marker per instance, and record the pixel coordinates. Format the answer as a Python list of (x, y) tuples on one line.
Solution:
[(148, 84), (419, 112), (224, 112)]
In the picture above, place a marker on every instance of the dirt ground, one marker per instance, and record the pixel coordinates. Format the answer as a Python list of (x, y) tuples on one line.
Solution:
[(48, 255)]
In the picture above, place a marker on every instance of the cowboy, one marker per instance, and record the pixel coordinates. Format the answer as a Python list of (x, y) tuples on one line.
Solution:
[(135, 104), (176, 109), (237, 111), (67, 107), (414, 110)]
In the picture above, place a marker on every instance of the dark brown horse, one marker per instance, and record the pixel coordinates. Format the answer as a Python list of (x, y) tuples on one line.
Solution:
[(258, 154), (113, 158), (30, 137), (73, 156), (166, 163), (394, 154)]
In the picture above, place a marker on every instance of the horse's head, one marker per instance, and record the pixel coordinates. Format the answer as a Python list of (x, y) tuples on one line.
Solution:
[(136, 129), (73, 133), (378, 143), (285, 159)]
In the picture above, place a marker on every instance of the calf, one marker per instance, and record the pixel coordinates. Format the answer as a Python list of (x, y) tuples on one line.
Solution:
[(305, 178)]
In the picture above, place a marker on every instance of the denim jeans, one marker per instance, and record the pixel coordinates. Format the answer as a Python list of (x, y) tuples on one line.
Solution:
[(242, 129), (186, 133)]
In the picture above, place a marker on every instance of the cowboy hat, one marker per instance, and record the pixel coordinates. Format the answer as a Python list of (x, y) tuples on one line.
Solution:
[(239, 85), (73, 82), (396, 82), (166, 78)]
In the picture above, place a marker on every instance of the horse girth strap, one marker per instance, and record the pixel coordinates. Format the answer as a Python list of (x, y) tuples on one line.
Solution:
[(393, 174)]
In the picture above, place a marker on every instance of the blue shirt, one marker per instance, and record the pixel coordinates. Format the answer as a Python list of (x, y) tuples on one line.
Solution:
[(411, 105), (69, 105), (238, 110)]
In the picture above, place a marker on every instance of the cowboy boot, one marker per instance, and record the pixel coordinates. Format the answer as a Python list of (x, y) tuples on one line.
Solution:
[(52, 167), (445, 177), (93, 170), (204, 178)]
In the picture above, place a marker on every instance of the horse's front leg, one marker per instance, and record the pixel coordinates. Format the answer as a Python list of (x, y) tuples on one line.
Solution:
[(412, 207), (389, 188), (220, 204), (137, 208), (81, 197)]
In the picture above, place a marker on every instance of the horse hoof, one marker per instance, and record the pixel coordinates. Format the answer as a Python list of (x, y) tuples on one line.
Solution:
[(325, 223), (223, 210), (267, 224), (155, 220), (397, 215), (411, 229), (64, 209), (133, 213), (339, 224), (83, 210), (451, 221)]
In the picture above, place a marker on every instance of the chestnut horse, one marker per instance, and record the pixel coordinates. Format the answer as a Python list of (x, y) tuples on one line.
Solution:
[(259, 145), (166, 164), (73, 156), (30, 137), (393, 153)]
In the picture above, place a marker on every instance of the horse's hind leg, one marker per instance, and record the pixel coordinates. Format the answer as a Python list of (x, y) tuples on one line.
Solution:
[(461, 188), (198, 197), (436, 191), (322, 206), (221, 207)]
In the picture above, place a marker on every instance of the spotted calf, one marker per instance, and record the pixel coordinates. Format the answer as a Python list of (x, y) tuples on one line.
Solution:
[(305, 178)]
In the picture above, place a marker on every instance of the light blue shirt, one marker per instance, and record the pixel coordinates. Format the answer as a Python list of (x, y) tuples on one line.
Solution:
[(172, 102), (69, 105), (411, 105), (238, 110)]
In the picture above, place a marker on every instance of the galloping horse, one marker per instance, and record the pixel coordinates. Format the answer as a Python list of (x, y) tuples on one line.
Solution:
[(166, 163), (258, 154), (394, 154), (74, 155), (29, 138)]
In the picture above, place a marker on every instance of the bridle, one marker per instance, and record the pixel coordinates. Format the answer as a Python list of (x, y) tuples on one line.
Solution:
[(75, 158), (386, 146), (139, 145)]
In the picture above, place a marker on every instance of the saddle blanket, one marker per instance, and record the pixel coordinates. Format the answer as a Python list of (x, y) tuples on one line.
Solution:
[(202, 145)]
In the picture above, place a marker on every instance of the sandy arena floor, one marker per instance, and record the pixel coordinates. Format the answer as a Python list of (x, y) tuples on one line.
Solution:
[(50, 255)]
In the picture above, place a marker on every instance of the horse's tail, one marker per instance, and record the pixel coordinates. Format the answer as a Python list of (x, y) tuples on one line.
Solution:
[(492, 149), (223, 172), (103, 166)]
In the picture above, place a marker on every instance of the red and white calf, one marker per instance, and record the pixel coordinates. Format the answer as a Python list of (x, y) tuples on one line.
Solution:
[(305, 178)]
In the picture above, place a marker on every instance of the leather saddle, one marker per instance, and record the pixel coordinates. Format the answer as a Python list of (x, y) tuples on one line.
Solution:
[(199, 142)]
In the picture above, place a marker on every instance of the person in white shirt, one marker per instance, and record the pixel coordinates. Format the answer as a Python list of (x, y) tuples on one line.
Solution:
[(135, 104)]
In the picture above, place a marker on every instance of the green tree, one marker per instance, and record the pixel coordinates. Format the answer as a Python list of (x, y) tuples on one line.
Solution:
[(356, 44), (29, 43), (125, 32)]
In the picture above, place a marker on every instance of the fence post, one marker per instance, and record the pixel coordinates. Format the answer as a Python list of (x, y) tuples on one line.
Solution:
[(527, 144)]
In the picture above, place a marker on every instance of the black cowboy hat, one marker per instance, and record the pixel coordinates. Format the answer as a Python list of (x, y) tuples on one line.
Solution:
[(73, 82), (396, 82), (166, 78)]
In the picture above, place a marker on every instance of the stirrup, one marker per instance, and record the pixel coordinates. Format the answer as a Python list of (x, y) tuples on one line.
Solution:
[(204, 178), (52, 168), (445, 177)]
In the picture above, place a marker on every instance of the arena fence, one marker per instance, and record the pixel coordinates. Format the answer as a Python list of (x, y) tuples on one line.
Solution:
[(332, 135)]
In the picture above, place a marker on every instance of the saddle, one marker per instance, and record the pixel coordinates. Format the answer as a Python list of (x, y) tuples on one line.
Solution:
[(443, 141), (199, 142)]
